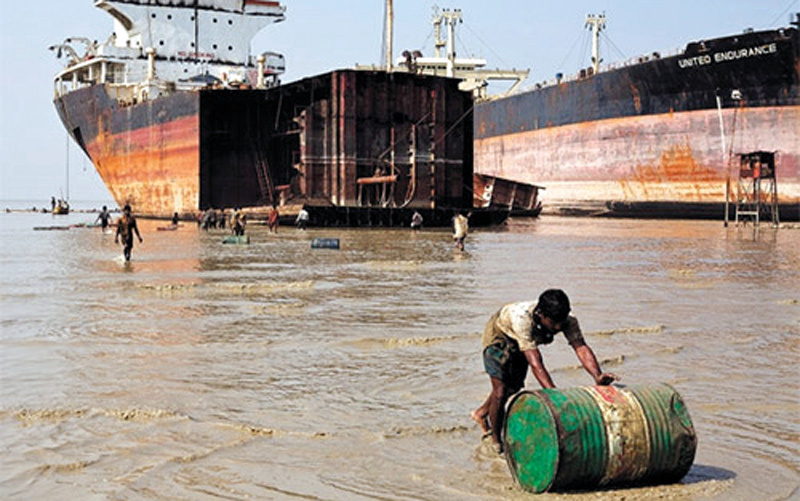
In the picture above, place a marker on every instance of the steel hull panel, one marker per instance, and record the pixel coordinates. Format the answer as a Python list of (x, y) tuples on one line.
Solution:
[(314, 139), (147, 154), (690, 81), (675, 157), (155, 168)]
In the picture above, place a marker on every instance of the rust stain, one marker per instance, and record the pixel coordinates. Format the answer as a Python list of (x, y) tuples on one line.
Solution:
[(637, 99), (162, 174), (676, 164)]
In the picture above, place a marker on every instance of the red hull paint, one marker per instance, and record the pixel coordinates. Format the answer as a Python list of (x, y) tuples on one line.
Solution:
[(155, 168), (674, 157)]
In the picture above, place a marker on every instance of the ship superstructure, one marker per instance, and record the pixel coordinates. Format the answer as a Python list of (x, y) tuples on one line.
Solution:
[(157, 48)]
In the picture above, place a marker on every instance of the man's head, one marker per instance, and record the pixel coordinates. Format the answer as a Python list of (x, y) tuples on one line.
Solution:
[(553, 308), (126, 209)]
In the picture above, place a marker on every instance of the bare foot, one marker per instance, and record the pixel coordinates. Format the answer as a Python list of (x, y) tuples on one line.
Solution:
[(498, 448), (482, 422)]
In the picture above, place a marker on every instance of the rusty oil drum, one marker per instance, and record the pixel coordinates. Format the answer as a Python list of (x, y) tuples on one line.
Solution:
[(577, 438)]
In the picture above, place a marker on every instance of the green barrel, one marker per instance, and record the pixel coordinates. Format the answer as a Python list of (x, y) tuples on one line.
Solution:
[(577, 438), (236, 239), (673, 442)]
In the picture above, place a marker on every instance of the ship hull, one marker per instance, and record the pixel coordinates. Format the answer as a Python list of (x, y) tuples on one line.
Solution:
[(148, 155), (648, 136), (342, 139)]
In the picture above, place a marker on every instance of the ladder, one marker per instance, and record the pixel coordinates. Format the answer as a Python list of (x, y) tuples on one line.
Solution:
[(757, 188)]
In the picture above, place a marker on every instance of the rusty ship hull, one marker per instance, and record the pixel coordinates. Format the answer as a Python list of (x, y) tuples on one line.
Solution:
[(356, 139), (645, 140), (178, 116)]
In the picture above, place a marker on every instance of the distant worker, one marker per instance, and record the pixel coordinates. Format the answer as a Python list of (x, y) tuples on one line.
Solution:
[(416, 221), (104, 217), (209, 219), (52, 204), (223, 219), (175, 219), (126, 227), (302, 219), (238, 222), (272, 221), (460, 230), (511, 343)]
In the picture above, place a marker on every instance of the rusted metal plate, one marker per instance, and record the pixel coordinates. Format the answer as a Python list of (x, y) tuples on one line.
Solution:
[(666, 158), (310, 140), (491, 191)]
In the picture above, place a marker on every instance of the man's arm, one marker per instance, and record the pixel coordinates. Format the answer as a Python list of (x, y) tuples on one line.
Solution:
[(534, 358), (589, 362), (136, 229)]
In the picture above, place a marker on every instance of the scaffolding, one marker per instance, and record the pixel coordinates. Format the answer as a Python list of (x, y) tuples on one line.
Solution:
[(757, 188)]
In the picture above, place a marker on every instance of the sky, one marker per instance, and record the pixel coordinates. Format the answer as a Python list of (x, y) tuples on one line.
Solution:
[(543, 36)]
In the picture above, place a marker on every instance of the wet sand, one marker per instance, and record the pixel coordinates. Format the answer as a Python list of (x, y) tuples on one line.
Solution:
[(275, 371)]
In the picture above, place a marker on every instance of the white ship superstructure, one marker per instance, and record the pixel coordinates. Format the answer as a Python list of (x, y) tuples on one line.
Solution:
[(160, 47)]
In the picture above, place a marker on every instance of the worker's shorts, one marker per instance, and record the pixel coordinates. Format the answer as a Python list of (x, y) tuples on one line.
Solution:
[(503, 360)]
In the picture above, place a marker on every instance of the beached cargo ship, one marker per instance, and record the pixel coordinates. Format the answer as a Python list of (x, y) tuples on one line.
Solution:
[(658, 137), (177, 116)]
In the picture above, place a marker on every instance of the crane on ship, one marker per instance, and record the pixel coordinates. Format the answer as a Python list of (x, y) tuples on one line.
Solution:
[(471, 71)]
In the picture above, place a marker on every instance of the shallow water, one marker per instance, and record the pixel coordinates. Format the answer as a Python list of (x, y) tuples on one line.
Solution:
[(272, 370)]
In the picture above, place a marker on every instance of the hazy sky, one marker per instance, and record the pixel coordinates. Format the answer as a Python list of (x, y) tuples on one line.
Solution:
[(545, 36)]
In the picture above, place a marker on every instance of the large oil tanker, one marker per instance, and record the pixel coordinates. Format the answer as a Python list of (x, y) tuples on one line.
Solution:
[(177, 116), (659, 137)]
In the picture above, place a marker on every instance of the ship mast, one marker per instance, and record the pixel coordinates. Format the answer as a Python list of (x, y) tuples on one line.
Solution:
[(388, 34), (438, 43), (451, 17), (597, 23)]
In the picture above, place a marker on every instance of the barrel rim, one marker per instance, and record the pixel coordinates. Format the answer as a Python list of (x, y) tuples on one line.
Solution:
[(512, 465)]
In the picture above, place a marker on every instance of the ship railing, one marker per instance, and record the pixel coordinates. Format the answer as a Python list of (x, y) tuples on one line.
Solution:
[(91, 72), (632, 61)]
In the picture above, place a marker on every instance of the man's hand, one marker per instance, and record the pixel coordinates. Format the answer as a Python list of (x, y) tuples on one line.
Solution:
[(140, 239), (116, 240), (605, 379)]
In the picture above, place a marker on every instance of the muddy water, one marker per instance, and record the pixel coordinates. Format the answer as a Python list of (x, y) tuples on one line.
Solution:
[(275, 371)]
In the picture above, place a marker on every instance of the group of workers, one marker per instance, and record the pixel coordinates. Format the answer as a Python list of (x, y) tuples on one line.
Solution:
[(211, 218)]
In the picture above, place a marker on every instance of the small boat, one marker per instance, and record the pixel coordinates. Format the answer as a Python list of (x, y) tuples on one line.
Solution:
[(62, 207)]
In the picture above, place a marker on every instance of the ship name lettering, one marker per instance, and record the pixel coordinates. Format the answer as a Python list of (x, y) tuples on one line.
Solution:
[(732, 55), (195, 55), (690, 62)]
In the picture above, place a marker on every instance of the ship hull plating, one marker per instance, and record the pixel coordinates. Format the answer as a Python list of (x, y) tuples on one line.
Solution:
[(343, 139), (647, 137)]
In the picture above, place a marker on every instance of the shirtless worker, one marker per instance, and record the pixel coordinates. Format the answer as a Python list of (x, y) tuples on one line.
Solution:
[(104, 217), (511, 343), (126, 226)]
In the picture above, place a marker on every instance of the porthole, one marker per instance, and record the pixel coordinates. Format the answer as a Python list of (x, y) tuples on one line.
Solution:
[(230, 47), (230, 21), (214, 46)]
